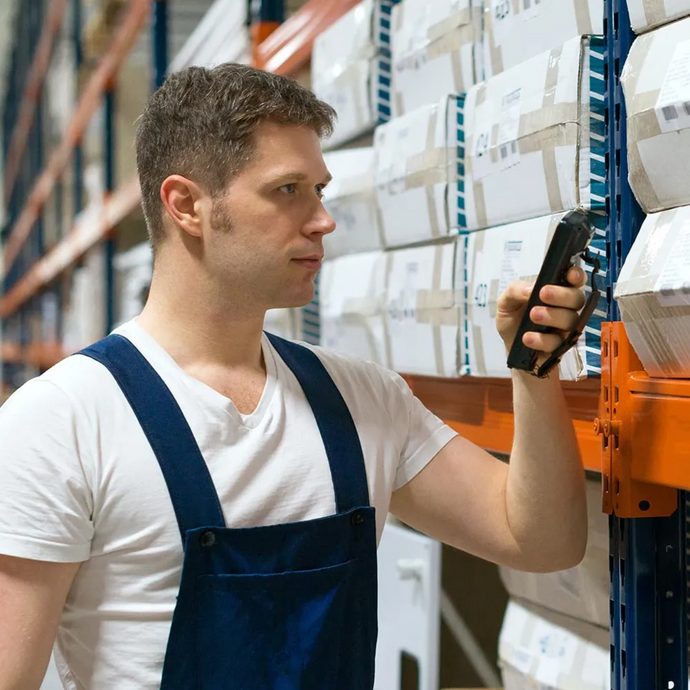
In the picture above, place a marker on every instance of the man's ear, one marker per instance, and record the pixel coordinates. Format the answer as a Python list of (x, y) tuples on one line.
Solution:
[(185, 203)]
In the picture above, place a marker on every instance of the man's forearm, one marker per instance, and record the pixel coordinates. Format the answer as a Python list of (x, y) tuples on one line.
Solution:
[(545, 493)]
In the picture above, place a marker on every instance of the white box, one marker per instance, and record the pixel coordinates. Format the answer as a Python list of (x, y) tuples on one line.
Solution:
[(221, 36), (351, 306), (541, 649), (418, 172), (134, 272), (653, 293), (436, 51), (284, 323), (656, 83), (649, 14), (516, 31), (423, 310), (496, 257), (351, 202), (581, 592), (351, 68), (535, 138)]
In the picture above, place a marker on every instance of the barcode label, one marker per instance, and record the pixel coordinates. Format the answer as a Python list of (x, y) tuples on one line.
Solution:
[(510, 149), (673, 103), (670, 113)]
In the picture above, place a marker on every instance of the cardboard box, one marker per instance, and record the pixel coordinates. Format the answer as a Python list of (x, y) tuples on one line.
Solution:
[(535, 138), (657, 96), (351, 306), (581, 592), (351, 68), (423, 310), (133, 275), (495, 258), (541, 649), (350, 200), (516, 31), (220, 36), (649, 14), (436, 51), (418, 173), (653, 293), (283, 323)]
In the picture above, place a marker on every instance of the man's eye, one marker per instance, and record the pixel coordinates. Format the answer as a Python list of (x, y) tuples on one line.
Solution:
[(289, 188), (320, 190)]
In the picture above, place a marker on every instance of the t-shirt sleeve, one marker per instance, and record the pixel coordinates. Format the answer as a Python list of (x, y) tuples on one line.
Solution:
[(421, 433), (45, 501)]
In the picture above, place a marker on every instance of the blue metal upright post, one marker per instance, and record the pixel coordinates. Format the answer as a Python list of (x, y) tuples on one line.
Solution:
[(78, 199), (647, 555), (160, 42), (110, 243)]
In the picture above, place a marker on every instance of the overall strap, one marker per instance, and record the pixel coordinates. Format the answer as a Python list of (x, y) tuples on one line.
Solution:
[(191, 488), (338, 431)]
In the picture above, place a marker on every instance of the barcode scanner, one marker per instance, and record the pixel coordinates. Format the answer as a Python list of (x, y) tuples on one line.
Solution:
[(570, 241)]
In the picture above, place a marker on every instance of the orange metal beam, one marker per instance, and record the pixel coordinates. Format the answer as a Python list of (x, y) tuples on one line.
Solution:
[(481, 410), (645, 433), (91, 227), (32, 92), (121, 44), (289, 47)]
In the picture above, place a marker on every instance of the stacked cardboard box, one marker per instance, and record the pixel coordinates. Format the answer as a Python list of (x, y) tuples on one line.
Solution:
[(350, 201), (496, 257), (535, 142), (514, 32), (650, 14), (657, 95), (653, 293), (436, 51), (351, 68)]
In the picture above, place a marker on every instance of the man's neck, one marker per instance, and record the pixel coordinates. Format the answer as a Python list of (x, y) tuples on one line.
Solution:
[(196, 333)]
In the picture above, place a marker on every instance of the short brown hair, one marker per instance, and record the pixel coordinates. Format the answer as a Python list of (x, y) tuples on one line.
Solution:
[(201, 122)]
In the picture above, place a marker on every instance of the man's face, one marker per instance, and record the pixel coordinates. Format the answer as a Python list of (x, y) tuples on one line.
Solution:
[(265, 239)]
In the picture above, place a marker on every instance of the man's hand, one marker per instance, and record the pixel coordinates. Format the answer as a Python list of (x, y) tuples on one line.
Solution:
[(561, 312)]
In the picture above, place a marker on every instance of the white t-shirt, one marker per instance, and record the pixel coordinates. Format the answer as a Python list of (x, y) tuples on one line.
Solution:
[(79, 482)]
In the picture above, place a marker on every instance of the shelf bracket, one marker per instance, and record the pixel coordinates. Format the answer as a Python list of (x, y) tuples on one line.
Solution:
[(622, 495)]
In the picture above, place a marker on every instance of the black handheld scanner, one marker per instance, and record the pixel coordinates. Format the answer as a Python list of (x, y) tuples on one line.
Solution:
[(570, 241)]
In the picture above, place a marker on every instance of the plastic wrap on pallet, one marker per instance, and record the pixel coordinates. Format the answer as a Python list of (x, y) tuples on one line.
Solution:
[(423, 310), (351, 308), (656, 82), (514, 32), (498, 256), (653, 294), (541, 649), (351, 69), (419, 172), (650, 14), (350, 200), (535, 138), (436, 51)]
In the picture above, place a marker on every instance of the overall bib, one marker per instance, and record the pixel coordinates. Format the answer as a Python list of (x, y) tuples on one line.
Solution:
[(283, 607)]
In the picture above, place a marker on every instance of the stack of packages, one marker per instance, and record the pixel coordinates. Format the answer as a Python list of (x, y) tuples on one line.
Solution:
[(471, 178), (653, 289), (535, 149), (388, 291), (555, 633)]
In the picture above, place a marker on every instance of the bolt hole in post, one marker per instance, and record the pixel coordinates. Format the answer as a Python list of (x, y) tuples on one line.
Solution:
[(644, 505)]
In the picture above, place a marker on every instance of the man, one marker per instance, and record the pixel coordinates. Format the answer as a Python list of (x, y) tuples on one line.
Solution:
[(192, 504)]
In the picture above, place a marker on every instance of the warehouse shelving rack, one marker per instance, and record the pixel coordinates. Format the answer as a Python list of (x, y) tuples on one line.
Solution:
[(630, 427)]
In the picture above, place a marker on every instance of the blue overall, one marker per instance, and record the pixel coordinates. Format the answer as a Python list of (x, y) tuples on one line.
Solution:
[(284, 607)]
